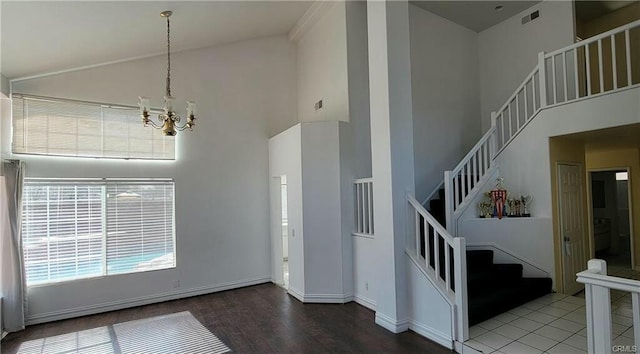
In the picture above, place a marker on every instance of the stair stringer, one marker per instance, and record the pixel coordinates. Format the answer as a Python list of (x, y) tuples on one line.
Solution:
[(431, 311)]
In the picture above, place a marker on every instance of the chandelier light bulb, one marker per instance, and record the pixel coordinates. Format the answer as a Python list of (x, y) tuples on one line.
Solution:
[(168, 120)]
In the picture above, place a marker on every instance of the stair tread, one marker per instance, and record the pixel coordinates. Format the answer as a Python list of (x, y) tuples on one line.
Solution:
[(490, 304)]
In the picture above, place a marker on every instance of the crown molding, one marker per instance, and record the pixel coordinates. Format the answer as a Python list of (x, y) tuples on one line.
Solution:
[(310, 17)]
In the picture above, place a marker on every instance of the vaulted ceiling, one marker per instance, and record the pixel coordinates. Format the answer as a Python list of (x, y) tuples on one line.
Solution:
[(45, 36)]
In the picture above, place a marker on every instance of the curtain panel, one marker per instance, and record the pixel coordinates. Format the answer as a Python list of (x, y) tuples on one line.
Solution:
[(11, 267)]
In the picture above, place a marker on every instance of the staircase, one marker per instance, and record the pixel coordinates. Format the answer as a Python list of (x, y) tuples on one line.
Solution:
[(475, 287), (491, 288), (496, 288)]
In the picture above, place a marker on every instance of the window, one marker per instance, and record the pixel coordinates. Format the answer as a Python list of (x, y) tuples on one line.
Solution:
[(51, 126), (88, 228)]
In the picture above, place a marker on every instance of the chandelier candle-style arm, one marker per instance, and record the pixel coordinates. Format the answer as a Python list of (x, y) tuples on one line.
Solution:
[(169, 119)]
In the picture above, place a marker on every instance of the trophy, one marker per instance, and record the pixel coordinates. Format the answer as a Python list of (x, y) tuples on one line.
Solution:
[(485, 209), (512, 207), (526, 202)]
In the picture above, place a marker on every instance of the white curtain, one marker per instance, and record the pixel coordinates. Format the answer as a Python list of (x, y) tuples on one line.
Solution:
[(11, 266)]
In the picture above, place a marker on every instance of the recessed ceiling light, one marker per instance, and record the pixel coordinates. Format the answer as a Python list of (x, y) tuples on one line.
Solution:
[(498, 8)]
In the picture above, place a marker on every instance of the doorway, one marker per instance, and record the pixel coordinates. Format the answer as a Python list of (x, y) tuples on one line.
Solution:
[(284, 224), (572, 228), (611, 216)]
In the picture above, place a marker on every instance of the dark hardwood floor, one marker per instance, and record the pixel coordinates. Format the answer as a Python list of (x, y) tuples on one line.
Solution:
[(262, 319)]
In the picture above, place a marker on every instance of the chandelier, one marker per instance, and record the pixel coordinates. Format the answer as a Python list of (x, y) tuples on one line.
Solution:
[(169, 120)]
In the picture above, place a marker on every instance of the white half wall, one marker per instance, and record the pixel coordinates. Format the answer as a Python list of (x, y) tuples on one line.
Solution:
[(321, 207), (446, 96), (509, 51), (244, 91), (430, 314)]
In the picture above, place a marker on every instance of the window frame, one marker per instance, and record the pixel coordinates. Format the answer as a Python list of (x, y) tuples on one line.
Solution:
[(101, 105), (104, 183)]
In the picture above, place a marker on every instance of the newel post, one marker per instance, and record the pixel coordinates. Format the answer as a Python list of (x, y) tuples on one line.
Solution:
[(542, 74), (598, 300)]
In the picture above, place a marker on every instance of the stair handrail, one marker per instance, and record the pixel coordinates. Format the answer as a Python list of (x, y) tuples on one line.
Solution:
[(538, 86), (455, 288), (479, 161), (595, 38), (433, 192), (546, 94), (598, 304)]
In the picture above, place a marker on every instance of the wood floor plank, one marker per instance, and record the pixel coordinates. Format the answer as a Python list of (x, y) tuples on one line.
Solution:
[(258, 319)]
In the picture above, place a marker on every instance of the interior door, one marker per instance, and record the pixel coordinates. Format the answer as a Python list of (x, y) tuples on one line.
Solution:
[(572, 232)]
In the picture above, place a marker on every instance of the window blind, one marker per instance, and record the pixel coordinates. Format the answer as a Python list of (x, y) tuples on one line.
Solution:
[(81, 229), (51, 126)]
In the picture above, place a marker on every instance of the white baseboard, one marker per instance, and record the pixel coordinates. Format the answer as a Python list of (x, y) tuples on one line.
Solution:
[(4, 334), (365, 301), (390, 324), (435, 335), (296, 293), (321, 298), (139, 301)]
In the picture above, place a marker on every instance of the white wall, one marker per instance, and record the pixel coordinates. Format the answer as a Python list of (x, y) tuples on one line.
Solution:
[(323, 236), (358, 64), (392, 155), (244, 91), (285, 158), (4, 85), (322, 68), (509, 51), (445, 89)]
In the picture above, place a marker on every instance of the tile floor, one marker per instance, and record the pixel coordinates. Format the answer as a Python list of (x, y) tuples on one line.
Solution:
[(552, 324)]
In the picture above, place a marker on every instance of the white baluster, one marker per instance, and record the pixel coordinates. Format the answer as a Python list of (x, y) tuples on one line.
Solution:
[(543, 79), (614, 66)]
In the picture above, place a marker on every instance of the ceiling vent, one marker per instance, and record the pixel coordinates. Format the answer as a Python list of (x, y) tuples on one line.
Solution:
[(530, 17)]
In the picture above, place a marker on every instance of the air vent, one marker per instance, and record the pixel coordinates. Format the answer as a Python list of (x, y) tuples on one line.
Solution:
[(530, 17)]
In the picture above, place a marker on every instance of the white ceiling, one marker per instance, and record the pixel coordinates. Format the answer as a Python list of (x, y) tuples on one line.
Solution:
[(476, 15), (45, 36)]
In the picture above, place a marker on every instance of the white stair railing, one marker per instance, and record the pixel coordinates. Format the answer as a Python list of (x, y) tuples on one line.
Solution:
[(598, 302), (519, 109), (598, 65), (593, 66), (461, 182), (444, 260), (363, 207)]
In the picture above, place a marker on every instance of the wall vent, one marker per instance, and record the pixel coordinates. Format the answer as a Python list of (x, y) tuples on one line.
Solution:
[(530, 17)]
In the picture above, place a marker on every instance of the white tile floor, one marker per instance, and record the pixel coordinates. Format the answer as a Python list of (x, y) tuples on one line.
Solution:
[(554, 324)]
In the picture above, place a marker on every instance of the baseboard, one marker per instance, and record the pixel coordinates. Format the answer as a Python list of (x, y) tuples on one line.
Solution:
[(365, 301), (321, 298), (390, 324), (4, 334), (432, 334), (140, 301)]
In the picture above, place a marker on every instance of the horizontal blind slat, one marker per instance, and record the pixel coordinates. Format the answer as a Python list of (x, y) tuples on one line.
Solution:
[(63, 230), (67, 128)]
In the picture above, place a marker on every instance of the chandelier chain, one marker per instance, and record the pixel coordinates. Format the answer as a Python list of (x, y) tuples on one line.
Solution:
[(168, 58)]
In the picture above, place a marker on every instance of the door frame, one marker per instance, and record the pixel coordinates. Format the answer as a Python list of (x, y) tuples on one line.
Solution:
[(629, 201), (277, 273), (560, 242)]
